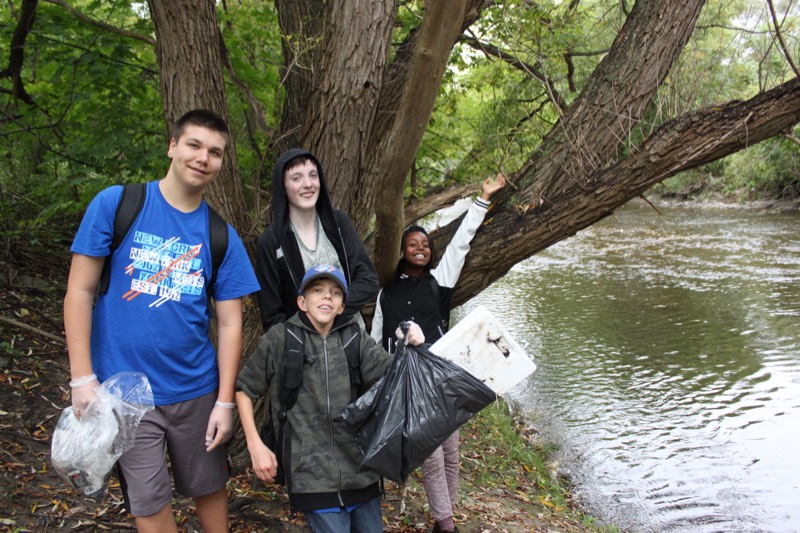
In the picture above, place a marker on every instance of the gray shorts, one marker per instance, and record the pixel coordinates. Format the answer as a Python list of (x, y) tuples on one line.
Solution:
[(179, 429)]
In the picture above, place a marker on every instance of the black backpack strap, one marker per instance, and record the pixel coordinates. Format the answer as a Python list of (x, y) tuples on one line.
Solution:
[(273, 433), (128, 208), (294, 355), (350, 336), (218, 237), (294, 358)]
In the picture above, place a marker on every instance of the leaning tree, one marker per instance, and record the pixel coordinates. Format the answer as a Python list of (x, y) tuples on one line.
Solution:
[(362, 103)]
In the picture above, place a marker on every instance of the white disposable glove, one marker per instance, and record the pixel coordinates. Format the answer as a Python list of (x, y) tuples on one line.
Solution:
[(220, 425), (83, 391), (415, 337)]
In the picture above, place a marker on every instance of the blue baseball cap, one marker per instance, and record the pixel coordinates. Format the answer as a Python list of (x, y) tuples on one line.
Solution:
[(323, 271)]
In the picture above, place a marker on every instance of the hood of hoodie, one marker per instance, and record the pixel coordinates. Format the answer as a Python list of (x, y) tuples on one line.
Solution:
[(280, 204)]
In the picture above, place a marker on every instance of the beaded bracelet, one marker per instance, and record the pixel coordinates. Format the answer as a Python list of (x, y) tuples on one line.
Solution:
[(225, 405), (80, 382)]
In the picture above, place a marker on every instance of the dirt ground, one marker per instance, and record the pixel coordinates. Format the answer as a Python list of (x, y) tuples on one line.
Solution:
[(34, 390)]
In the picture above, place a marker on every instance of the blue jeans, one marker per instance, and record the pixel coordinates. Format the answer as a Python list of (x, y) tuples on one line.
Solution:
[(366, 518)]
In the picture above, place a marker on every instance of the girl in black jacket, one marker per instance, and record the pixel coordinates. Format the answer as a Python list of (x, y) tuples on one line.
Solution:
[(420, 293)]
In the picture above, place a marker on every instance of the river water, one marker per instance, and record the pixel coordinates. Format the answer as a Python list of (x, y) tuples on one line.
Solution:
[(668, 355)]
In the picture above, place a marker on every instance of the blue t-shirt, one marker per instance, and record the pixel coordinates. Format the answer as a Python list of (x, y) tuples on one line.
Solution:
[(154, 318)]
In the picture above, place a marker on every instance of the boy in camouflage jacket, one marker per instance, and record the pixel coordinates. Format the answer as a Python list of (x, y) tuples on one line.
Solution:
[(322, 459)]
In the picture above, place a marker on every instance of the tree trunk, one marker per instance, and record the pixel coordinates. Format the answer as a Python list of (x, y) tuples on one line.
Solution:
[(190, 64), (377, 176), (437, 34), (332, 90), (342, 97), (302, 23), (517, 229)]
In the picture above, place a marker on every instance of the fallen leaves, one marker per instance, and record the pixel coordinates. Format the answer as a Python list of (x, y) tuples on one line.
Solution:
[(502, 499)]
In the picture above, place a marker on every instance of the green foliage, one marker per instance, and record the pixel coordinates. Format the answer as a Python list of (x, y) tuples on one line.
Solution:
[(500, 431), (96, 118), (696, 184), (256, 56), (7, 348), (770, 169), (91, 89), (408, 18), (492, 111)]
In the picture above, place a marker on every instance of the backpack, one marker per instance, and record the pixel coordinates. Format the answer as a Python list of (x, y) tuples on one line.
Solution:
[(128, 209), (293, 359)]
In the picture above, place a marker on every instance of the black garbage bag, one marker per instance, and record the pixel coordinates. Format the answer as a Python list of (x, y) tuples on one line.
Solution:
[(410, 412)]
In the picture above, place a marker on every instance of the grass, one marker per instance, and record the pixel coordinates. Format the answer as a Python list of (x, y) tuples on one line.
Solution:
[(502, 443)]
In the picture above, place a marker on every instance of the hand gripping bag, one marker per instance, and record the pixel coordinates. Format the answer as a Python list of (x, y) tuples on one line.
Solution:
[(84, 451), (410, 412)]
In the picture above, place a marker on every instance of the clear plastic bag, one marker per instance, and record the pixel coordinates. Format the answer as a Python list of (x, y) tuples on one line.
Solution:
[(84, 451), (411, 411)]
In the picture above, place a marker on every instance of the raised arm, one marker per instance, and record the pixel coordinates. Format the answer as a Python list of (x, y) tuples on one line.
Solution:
[(449, 268), (491, 185)]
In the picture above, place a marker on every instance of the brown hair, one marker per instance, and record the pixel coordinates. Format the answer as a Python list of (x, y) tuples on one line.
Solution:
[(204, 118)]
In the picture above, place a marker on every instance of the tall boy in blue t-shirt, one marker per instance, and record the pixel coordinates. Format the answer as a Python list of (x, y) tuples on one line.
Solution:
[(154, 319)]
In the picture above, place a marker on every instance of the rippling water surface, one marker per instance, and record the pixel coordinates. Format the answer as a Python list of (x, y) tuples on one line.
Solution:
[(668, 354)]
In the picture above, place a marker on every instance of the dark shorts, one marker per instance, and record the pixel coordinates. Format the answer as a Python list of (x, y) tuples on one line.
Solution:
[(180, 430)]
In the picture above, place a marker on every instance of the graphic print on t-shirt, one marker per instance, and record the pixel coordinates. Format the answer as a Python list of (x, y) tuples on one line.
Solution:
[(164, 268)]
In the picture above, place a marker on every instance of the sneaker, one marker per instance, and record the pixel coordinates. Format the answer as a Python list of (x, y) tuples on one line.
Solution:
[(436, 529)]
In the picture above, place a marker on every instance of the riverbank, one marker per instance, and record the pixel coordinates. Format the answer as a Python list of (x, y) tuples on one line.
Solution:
[(507, 484), (712, 200)]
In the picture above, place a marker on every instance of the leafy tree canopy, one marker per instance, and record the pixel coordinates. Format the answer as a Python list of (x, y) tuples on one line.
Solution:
[(82, 107)]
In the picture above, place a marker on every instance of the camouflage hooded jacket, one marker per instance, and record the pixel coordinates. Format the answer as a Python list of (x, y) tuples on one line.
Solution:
[(323, 458)]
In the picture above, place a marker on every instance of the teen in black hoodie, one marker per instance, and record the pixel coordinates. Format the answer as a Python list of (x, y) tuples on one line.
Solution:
[(301, 205)]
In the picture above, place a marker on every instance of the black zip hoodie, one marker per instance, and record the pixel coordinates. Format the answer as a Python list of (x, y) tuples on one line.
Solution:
[(279, 264)]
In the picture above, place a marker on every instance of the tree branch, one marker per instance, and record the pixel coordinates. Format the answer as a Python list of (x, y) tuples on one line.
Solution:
[(792, 137), (433, 203), (16, 56), (681, 144), (36, 330), (438, 32), (780, 38), (493, 51), (102, 25)]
